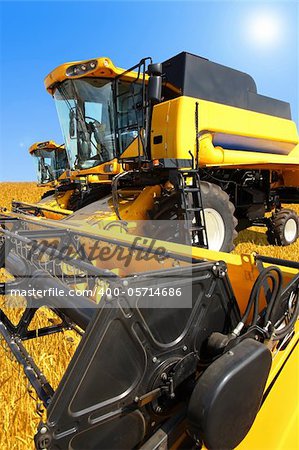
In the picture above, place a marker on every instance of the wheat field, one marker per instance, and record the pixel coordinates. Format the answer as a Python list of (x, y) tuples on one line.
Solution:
[(20, 411)]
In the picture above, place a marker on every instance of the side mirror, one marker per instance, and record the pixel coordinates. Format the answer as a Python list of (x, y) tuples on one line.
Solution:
[(154, 69), (72, 123), (155, 89)]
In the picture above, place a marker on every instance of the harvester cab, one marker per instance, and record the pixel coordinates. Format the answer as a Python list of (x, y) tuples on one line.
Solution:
[(86, 112), (52, 162), (93, 115), (195, 140)]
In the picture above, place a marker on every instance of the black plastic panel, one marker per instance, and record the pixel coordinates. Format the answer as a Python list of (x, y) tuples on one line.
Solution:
[(198, 77), (228, 395), (118, 363), (113, 435), (126, 347)]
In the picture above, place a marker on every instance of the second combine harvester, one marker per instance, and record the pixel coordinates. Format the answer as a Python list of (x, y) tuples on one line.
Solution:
[(195, 141)]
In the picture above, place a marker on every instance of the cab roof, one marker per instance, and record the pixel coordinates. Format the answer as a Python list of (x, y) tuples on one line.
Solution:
[(101, 67), (46, 145)]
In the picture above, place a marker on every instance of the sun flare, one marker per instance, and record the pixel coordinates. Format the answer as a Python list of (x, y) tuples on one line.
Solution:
[(265, 29)]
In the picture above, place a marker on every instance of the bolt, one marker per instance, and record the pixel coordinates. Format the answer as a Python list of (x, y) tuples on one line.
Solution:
[(136, 399), (125, 283), (158, 409), (43, 430), (155, 359), (164, 376), (230, 353), (185, 348)]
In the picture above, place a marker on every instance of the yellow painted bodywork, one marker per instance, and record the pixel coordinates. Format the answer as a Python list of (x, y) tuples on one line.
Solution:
[(98, 173), (276, 426), (134, 205), (133, 150), (138, 209), (105, 69), (175, 120), (50, 210), (56, 205)]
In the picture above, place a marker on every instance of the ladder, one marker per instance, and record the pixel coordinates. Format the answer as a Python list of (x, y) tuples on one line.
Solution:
[(192, 207)]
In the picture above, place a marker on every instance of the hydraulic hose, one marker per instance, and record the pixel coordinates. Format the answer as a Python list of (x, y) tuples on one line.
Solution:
[(275, 294), (274, 274), (253, 302), (281, 333), (255, 292)]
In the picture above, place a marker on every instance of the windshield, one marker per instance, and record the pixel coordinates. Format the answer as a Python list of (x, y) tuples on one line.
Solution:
[(87, 117), (50, 164)]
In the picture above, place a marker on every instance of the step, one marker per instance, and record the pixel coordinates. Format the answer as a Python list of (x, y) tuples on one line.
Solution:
[(194, 209), (197, 228), (190, 189)]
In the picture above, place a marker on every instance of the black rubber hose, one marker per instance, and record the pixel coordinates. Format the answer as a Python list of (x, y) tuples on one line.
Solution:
[(274, 292), (255, 293), (280, 334), (275, 295)]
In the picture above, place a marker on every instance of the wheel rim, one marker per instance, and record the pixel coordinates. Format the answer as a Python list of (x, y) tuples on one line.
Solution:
[(290, 230), (215, 228)]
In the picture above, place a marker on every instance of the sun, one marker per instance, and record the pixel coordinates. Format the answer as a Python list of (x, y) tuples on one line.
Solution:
[(265, 29)]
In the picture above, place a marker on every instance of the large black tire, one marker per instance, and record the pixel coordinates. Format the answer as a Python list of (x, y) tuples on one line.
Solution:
[(284, 228), (216, 204)]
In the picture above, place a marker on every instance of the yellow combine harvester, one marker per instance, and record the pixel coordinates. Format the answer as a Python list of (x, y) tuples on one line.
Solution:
[(182, 346), (196, 141), (68, 190), (53, 170), (52, 162)]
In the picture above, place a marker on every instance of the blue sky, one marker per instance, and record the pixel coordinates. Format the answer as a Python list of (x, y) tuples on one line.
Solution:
[(255, 37)]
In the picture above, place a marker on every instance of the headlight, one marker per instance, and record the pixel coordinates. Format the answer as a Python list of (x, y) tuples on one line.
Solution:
[(80, 69), (43, 144), (108, 168)]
